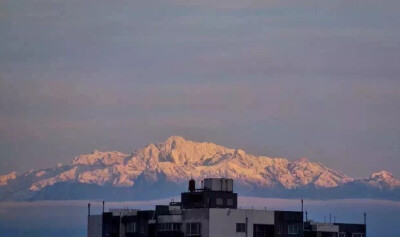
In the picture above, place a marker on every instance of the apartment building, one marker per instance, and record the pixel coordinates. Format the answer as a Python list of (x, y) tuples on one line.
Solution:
[(212, 211)]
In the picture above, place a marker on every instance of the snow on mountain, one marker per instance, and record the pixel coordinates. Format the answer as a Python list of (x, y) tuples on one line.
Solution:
[(107, 158), (382, 180), (4, 179), (176, 160)]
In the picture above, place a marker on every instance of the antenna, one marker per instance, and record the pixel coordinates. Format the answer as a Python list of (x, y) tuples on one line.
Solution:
[(103, 206), (365, 223), (330, 218), (365, 218), (88, 207), (306, 215), (302, 213)]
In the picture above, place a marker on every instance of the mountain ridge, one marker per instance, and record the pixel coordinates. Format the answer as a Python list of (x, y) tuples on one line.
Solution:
[(175, 160)]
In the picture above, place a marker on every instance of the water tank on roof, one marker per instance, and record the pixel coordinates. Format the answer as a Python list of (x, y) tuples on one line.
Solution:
[(192, 185)]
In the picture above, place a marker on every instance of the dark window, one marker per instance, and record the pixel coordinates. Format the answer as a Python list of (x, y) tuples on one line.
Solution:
[(219, 202), (279, 229), (176, 226), (169, 226), (263, 230), (229, 202), (293, 229), (131, 227), (240, 227), (192, 229)]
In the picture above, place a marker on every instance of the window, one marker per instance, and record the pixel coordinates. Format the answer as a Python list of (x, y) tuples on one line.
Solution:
[(261, 230), (192, 229), (342, 234), (229, 202), (163, 226), (219, 201), (131, 227), (169, 226), (279, 229), (357, 235), (240, 227), (176, 226), (293, 229)]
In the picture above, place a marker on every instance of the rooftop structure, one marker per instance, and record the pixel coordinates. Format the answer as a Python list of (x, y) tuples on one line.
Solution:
[(214, 193)]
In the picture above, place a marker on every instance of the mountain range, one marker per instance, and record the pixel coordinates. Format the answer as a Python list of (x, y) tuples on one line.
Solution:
[(162, 170)]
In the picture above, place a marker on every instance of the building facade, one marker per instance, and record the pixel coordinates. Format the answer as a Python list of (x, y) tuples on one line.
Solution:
[(211, 211)]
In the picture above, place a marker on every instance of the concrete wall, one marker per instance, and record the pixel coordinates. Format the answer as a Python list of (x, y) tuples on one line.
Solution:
[(170, 219), (223, 221)]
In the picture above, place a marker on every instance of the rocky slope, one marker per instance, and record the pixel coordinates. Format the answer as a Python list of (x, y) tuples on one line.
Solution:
[(170, 164)]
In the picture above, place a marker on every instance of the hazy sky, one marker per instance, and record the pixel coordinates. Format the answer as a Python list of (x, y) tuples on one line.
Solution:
[(313, 78)]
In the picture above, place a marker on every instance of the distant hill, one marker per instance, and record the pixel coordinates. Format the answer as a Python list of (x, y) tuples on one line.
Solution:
[(162, 170)]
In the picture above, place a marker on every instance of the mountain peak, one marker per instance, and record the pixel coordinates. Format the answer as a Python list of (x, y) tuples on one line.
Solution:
[(175, 139), (383, 179), (302, 160), (382, 174), (184, 152)]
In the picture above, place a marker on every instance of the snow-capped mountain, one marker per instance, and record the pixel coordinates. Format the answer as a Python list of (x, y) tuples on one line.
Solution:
[(381, 180), (168, 165)]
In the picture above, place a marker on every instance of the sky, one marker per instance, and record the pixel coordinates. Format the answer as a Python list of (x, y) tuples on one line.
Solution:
[(313, 78)]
